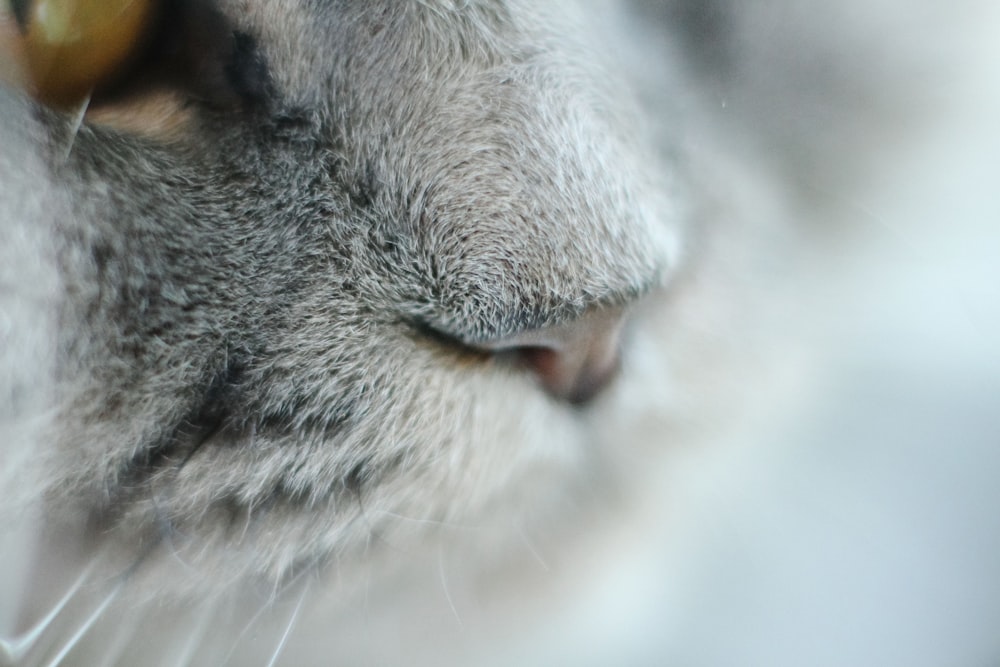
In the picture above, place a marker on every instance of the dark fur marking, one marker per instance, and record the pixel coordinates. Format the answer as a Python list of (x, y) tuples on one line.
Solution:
[(358, 476), (205, 420), (193, 48), (246, 70), (364, 190), (20, 9)]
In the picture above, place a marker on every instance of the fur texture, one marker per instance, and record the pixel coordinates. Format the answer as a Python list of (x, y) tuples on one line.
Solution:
[(246, 360), (248, 305)]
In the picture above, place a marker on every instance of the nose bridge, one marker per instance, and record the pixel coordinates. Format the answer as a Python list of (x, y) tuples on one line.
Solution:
[(529, 201), (527, 147), (536, 205)]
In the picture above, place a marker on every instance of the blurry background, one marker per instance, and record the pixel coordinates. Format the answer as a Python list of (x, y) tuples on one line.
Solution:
[(860, 525)]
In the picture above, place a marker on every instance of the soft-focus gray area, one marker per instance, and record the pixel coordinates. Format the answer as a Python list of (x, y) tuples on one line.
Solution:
[(861, 526)]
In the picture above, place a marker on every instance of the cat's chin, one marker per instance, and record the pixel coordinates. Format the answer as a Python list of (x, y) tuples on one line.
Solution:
[(483, 455)]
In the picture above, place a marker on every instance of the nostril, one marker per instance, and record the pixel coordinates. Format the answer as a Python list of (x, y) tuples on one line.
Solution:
[(572, 361), (575, 378)]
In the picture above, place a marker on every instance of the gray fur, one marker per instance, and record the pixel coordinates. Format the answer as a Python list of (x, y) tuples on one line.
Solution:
[(242, 366)]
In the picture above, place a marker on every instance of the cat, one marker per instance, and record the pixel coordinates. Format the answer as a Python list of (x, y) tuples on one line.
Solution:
[(333, 330), (343, 293)]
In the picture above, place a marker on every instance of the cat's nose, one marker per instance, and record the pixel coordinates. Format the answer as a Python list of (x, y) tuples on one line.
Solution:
[(573, 361)]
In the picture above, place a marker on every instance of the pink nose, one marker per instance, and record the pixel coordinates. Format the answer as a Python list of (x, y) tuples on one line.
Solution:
[(573, 361)]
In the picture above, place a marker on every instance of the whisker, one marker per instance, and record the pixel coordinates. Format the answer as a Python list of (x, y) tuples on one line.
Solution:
[(13, 650), (444, 587), (87, 624), (123, 634), (166, 531), (115, 590), (430, 522), (75, 127), (371, 535), (263, 609), (195, 636), (288, 628), (530, 546)]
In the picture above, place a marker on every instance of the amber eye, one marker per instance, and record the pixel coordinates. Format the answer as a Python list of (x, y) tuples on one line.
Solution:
[(71, 47)]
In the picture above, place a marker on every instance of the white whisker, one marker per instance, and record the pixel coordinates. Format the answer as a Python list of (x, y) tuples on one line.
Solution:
[(13, 650), (75, 128), (530, 546), (87, 624), (444, 587), (195, 636), (124, 633), (166, 529), (288, 628), (268, 605), (429, 522)]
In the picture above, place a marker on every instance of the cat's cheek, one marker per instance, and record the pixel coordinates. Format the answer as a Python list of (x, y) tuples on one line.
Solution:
[(480, 445)]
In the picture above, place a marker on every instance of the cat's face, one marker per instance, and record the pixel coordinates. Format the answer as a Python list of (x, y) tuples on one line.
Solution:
[(359, 266)]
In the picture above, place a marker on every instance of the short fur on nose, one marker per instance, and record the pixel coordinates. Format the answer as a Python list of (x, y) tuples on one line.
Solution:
[(573, 361)]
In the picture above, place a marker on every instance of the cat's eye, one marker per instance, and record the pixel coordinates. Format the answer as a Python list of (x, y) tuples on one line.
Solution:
[(70, 48), (114, 53)]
